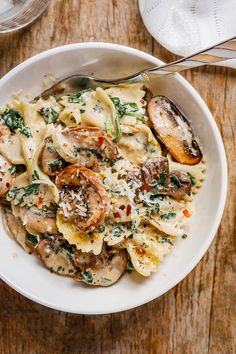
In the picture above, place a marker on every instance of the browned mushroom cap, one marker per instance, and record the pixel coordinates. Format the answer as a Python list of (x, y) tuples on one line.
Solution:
[(108, 273), (16, 230), (5, 176), (174, 130), (154, 168), (93, 139), (83, 198), (37, 221), (50, 161), (57, 256)]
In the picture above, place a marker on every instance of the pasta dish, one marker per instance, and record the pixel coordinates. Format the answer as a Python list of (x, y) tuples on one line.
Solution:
[(98, 182)]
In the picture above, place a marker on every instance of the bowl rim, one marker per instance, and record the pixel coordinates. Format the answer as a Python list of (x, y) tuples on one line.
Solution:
[(223, 163)]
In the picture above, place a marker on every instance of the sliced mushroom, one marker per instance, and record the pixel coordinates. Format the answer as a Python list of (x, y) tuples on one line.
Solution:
[(37, 221), (51, 162), (83, 198), (154, 169), (84, 260), (108, 273), (82, 145), (179, 184), (17, 231), (174, 130), (57, 256), (5, 176)]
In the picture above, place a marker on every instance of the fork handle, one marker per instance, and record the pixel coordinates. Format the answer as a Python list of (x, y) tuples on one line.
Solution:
[(215, 54)]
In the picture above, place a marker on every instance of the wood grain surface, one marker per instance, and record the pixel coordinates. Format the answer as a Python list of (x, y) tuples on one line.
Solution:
[(196, 317)]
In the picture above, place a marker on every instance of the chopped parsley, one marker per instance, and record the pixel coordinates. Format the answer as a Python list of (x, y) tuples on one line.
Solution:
[(55, 164), (129, 266), (121, 110), (117, 231), (12, 169), (35, 175), (184, 236), (165, 239), (168, 216), (153, 209), (49, 114), (13, 119), (82, 111), (133, 227), (175, 180), (19, 193), (32, 239), (112, 163), (161, 180), (78, 97), (76, 150), (192, 179), (88, 153), (87, 276), (60, 269), (101, 229), (66, 249)]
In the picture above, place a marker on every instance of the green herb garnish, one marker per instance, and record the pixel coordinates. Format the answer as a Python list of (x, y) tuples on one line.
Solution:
[(101, 229), (184, 236), (35, 175), (117, 231), (168, 216), (49, 114), (87, 276), (82, 111), (19, 193), (12, 169), (78, 97), (60, 268), (33, 239), (153, 209), (192, 179), (133, 227), (176, 181), (129, 266), (13, 119), (165, 239), (55, 164), (66, 249)]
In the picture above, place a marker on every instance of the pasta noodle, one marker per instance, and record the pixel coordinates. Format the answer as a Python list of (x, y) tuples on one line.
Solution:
[(92, 187)]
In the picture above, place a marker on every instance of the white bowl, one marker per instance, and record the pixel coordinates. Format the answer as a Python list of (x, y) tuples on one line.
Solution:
[(25, 273)]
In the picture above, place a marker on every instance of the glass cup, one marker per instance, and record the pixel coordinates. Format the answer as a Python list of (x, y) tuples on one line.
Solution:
[(15, 14)]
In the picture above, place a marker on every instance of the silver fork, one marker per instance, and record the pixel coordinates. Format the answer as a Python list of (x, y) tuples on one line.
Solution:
[(215, 54)]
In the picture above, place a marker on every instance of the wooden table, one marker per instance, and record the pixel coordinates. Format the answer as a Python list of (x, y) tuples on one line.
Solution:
[(196, 317)]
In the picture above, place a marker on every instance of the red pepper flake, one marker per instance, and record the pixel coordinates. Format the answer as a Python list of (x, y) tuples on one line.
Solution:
[(145, 187), (128, 209), (39, 201), (116, 214), (122, 207), (186, 213), (8, 185), (142, 101), (100, 140)]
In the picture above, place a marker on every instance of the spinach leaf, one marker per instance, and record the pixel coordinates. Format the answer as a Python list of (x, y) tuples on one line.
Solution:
[(49, 114), (87, 276), (13, 119), (78, 97)]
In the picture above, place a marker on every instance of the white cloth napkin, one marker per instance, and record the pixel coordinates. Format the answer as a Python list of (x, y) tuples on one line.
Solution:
[(188, 26)]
